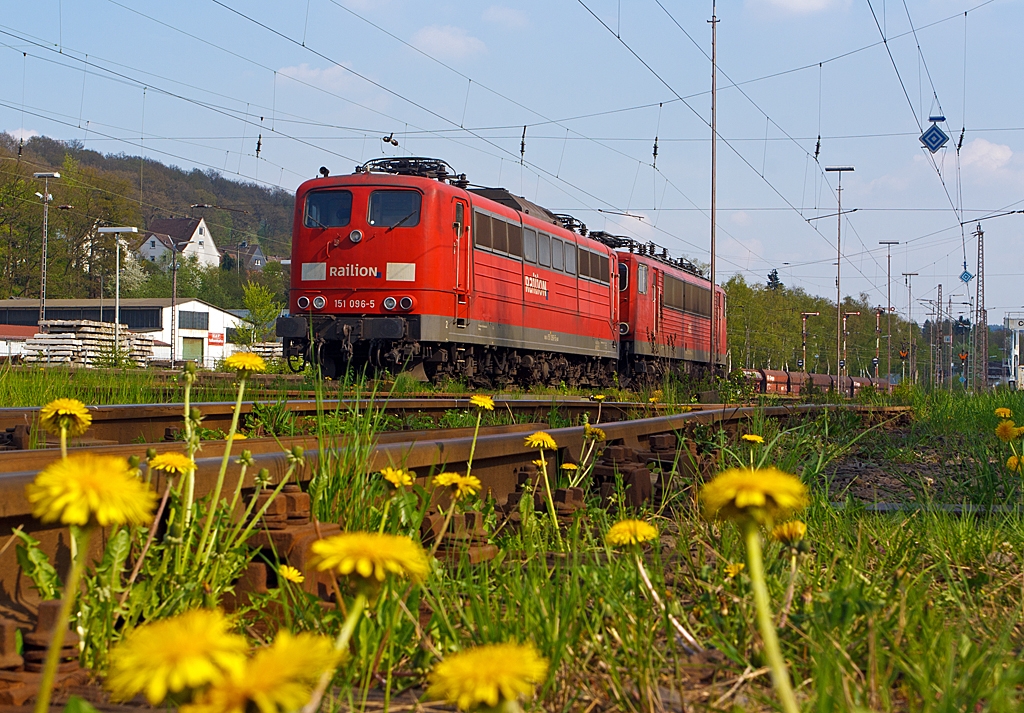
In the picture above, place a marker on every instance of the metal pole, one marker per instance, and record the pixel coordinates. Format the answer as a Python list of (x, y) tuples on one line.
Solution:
[(117, 300), (714, 179), (910, 325), (803, 319), (174, 300), (888, 301), (46, 233), (845, 355), (878, 336), (839, 262)]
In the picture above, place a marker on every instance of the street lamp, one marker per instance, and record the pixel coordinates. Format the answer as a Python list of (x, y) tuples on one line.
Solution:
[(117, 286), (46, 198), (839, 260), (803, 335)]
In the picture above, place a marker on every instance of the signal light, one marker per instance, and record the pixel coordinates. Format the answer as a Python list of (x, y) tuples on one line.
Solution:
[(390, 303), (405, 303), (904, 353), (303, 302), (319, 302)]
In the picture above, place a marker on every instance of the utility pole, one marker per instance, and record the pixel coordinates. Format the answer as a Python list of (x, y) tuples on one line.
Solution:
[(174, 301), (46, 198), (839, 262), (803, 335), (845, 362), (981, 320), (908, 276), (878, 336), (888, 300), (949, 311), (714, 179)]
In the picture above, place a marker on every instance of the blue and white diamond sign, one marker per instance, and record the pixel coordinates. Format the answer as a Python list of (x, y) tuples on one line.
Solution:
[(934, 138), (966, 277)]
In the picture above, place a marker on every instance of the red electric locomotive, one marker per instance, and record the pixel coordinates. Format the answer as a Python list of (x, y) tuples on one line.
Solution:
[(664, 311), (400, 266)]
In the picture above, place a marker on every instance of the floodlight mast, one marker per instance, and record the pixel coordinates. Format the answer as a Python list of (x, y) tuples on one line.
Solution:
[(46, 197), (117, 285)]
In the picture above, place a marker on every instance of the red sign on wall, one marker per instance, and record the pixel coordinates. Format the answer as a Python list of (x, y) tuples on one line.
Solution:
[(215, 339)]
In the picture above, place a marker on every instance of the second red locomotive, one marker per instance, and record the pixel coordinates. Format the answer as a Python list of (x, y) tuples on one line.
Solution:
[(402, 265)]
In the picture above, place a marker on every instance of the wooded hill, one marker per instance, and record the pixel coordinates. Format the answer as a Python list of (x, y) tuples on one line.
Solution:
[(96, 189)]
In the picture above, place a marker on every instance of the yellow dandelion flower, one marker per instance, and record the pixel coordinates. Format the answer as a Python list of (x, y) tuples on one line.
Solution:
[(239, 437), (764, 494), (570, 466), (486, 676), (541, 440), (173, 463), (733, 569), (1020, 431), (397, 477), (1003, 412), (594, 433), (1013, 463), (187, 651), (484, 403), (88, 489), (598, 397), (70, 414), (653, 400), (790, 533), (630, 532), (244, 362), (371, 556), (1006, 431), (461, 485), (752, 438), (291, 574), (279, 677), (539, 463)]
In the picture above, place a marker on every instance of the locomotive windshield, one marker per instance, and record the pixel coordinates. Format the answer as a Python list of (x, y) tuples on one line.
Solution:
[(328, 209), (394, 209)]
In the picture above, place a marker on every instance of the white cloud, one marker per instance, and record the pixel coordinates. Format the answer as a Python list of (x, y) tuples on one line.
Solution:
[(985, 156), (333, 78), (741, 218), (797, 6), (447, 41), (25, 134), (506, 17)]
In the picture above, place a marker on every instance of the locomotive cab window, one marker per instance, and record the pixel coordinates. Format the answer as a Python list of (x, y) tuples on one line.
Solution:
[(530, 245), (328, 209), (623, 276), (641, 279), (394, 209), (570, 258)]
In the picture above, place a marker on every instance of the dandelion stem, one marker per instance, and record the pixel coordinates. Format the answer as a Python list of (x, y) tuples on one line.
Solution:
[(340, 644), (790, 589), (444, 527), (472, 446), (63, 441), (551, 500), (215, 500), (780, 675), (57, 642), (384, 516), (190, 477)]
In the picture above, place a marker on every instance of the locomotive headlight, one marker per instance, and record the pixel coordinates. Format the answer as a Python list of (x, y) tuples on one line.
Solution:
[(303, 302), (390, 303), (405, 303), (319, 302), (623, 328), (355, 236)]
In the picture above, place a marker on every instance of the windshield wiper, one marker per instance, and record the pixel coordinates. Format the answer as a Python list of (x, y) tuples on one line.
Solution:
[(402, 221)]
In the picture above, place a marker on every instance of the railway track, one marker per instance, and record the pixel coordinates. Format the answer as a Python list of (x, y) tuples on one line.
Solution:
[(153, 423), (499, 461)]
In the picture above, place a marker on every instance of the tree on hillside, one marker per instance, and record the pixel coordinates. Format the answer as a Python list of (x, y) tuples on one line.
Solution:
[(774, 283)]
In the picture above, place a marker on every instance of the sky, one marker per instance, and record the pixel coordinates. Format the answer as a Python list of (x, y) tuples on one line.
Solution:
[(202, 83)]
